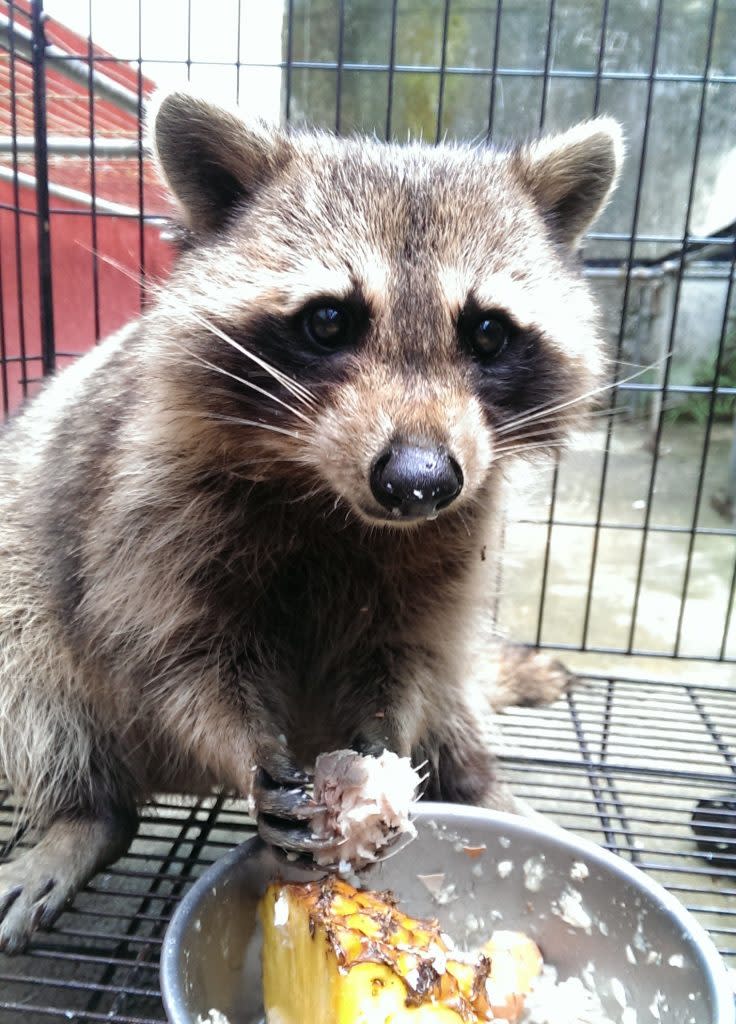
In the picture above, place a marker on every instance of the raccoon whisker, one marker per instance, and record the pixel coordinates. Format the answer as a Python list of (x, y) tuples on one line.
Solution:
[(533, 433), (535, 429), (501, 453), (550, 409), (297, 390), (249, 384), (306, 496), (602, 414), (252, 423), (262, 462), (529, 440)]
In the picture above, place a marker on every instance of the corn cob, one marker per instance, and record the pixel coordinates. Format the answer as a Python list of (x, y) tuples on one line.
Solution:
[(335, 955)]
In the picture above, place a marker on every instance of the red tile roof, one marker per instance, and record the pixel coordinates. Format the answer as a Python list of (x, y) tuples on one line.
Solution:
[(68, 114)]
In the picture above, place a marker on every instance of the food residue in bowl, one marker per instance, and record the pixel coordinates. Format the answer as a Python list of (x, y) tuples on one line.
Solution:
[(569, 906), (534, 872), (504, 868), (212, 1017), (579, 871)]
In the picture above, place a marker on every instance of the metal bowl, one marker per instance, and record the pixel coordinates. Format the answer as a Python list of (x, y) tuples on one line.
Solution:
[(583, 906)]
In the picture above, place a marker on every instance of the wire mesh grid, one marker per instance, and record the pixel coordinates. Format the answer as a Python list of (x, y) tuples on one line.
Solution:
[(641, 756), (628, 764)]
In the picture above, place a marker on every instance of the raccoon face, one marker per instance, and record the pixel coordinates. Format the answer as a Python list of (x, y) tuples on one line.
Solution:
[(379, 324)]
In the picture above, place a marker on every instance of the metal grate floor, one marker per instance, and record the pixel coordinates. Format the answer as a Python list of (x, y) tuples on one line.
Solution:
[(625, 763)]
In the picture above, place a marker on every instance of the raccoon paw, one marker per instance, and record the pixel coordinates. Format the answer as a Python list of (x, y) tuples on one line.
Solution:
[(31, 897), (380, 733), (527, 678), (36, 886), (283, 807)]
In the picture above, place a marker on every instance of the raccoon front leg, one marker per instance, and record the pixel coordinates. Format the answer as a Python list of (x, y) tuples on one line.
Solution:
[(37, 884), (462, 769), (283, 807), (383, 731)]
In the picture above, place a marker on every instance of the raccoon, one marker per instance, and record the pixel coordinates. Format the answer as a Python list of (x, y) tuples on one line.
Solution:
[(252, 526)]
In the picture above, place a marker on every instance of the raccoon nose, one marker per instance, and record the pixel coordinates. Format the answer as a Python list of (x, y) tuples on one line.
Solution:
[(416, 481)]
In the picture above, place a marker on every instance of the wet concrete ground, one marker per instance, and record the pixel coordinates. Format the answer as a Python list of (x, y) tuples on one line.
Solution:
[(676, 610)]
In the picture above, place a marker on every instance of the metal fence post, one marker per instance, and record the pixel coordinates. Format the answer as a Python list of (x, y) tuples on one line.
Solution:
[(40, 135)]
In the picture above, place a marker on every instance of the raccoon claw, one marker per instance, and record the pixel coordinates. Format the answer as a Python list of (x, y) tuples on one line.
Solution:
[(276, 768), (292, 839), (369, 746), (284, 807), (27, 901), (278, 801)]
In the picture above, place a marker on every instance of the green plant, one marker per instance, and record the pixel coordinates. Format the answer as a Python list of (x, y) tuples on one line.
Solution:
[(696, 408)]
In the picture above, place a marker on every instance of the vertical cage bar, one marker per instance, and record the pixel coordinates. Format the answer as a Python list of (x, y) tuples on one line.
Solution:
[(443, 71), (238, 62), (340, 62), (547, 550), (189, 40), (494, 69), (612, 395), (719, 353), (556, 471), (19, 277), (547, 64), (391, 68), (4, 386), (93, 176), (141, 164), (729, 613), (670, 346), (629, 263), (699, 490), (40, 139), (601, 58), (289, 58)]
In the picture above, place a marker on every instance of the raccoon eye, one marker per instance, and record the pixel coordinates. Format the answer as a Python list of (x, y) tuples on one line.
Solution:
[(328, 326), (489, 335)]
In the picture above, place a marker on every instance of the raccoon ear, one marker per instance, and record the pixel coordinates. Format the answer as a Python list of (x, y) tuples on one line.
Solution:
[(572, 175), (211, 160)]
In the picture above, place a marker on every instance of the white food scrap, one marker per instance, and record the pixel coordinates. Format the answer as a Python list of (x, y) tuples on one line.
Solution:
[(569, 907), (432, 883), (534, 873), (213, 1017), (562, 1002), (619, 993), (579, 871), (367, 802)]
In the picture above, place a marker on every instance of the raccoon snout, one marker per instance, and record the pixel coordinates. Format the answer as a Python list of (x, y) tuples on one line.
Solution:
[(415, 482)]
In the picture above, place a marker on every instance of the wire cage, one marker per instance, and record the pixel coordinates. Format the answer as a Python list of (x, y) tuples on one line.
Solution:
[(622, 555)]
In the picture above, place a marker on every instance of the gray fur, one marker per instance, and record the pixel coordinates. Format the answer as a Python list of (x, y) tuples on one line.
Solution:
[(190, 568)]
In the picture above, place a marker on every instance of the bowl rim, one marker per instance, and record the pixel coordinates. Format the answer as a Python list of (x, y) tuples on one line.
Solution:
[(722, 993)]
